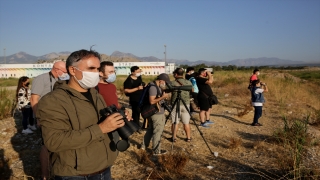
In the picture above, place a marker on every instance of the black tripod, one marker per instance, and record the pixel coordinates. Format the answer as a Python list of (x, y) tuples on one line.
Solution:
[(177, 105)]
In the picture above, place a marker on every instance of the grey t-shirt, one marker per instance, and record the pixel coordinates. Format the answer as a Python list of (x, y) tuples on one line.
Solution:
[(153, 92), (43, 84)]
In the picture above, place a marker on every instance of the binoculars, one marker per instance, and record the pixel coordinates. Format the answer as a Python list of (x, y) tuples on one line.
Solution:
[(125, 131)]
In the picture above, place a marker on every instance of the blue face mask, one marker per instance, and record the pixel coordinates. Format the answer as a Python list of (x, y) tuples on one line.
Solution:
[(111, 78), (64, 76)]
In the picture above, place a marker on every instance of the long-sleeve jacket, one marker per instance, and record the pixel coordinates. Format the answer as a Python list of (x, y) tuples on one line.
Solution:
[(24, 96), (71, 133)]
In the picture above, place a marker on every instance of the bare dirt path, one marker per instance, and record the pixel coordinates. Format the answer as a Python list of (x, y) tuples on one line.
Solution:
[(244, 152)]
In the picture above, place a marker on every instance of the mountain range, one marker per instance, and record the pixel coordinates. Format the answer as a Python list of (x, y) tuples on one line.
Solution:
[(25, 58)]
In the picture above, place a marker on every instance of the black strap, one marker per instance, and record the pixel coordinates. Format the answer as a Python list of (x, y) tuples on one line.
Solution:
[(50, 76), (205, 94), (179, 82)]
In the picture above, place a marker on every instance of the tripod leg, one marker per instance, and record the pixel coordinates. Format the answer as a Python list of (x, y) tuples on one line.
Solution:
[(185, 105), (174, 124)]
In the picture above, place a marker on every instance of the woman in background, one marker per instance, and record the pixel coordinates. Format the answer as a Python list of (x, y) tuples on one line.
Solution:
[(23, 95)]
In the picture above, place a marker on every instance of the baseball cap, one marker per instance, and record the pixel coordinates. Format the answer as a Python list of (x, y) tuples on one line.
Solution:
[(164, 77)]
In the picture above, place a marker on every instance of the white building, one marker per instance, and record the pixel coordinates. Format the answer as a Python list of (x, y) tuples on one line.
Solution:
[(122, 68)]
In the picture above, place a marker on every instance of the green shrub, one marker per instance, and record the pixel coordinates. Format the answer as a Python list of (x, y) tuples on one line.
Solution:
[(295, 140)]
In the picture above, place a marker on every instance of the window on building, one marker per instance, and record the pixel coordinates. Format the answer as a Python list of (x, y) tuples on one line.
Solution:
[(149, 72), (154, 72), (14, 75), (158, 72)]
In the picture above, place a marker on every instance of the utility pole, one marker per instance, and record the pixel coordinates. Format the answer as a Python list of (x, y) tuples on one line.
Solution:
[(5, 62), (165, 58), (4, 52), (165, 55)]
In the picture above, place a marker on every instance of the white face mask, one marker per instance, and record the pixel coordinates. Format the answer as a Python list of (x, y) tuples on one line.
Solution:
[(191, 72), (89, 79), (138, 74), (64, 76), (111, 78)]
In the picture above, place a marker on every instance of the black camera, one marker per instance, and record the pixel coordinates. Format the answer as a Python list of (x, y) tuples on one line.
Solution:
[(177, 88), (125, 131), (166, 106)]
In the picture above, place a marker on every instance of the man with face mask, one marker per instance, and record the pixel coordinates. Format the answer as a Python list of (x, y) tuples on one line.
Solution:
[(189, 72), (156, 121), (41, 85), (106, 87), (74, 127), (133, 87)]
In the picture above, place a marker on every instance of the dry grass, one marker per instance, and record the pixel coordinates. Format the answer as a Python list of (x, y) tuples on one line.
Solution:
[(235, 143), (173, 162), (249, 152), (247, 108)]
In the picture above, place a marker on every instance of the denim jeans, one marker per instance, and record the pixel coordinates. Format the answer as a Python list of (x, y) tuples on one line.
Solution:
[(106, 175), (257, 113)]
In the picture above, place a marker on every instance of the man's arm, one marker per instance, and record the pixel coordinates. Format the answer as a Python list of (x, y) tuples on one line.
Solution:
[(58, 134), (127, 86), (210, 78), (34, 102), (133, 89), (153, 95)]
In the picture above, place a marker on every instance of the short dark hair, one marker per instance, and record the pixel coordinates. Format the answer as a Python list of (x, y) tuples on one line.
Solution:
[(77, 56), (195, 74), (179, 71), (255, 70), (201, 70), (190, 69), (134, 68), (103, 65), (255, 82)]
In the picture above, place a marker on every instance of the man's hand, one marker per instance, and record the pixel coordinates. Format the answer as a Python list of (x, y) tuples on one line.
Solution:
[(128, 115), (111, 123), (164, 95), (140, 87)]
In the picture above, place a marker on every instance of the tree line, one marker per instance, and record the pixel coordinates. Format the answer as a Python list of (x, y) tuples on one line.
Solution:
[(241, 68)]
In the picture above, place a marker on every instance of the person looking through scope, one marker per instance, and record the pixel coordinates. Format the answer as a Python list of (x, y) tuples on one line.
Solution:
[(180, 111), (157, 121)]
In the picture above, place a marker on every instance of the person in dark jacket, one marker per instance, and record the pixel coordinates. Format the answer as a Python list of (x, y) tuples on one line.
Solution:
[(74, 127), (257, 99)]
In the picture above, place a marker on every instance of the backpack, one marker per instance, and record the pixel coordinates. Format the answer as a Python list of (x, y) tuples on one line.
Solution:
[(144, 105)]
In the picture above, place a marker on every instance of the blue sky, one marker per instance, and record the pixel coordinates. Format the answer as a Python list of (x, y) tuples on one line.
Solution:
[(212, 30)]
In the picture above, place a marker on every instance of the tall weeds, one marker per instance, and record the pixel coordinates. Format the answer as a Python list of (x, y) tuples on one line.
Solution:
[(6, 103), (295, 141)]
